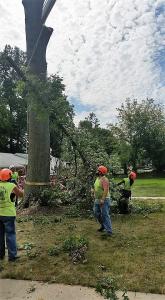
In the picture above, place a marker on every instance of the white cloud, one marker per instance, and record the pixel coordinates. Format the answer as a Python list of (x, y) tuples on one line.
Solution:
[(12, 23), (103, 49)]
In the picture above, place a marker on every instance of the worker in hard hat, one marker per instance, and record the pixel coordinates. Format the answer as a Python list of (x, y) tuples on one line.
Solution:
[(102, 200), (126, 192), (8, 215)]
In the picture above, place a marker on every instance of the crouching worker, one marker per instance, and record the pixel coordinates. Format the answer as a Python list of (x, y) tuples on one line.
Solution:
[(126, 192), (8, 215), (102, 200)]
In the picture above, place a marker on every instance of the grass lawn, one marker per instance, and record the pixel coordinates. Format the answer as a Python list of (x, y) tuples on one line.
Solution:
[(135, 255), (149, 187)]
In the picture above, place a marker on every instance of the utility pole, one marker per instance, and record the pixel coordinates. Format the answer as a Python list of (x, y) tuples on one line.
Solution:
[(37, 38)]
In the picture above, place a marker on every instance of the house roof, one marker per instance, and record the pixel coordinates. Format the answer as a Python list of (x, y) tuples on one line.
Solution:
[(20, 160), (8, 159)]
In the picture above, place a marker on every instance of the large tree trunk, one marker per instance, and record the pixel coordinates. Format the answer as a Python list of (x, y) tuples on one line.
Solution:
[(37, 38)]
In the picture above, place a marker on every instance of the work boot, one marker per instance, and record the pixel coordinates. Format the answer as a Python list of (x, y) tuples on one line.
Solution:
[(13, 258), (101, 229)]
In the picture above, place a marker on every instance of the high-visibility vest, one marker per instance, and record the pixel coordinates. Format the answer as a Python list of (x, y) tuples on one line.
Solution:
[(127, 185), (98, 188), (7, 207), (15, 176)]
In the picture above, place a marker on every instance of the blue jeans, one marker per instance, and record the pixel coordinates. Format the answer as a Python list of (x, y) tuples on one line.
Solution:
[(7, 229), (102, 214)]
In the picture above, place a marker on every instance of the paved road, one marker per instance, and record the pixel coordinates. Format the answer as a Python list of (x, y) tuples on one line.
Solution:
[(33, 290)]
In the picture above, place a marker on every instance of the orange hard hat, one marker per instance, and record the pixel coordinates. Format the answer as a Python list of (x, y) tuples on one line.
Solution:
[(132, 175), (102, 170), (5, 174)]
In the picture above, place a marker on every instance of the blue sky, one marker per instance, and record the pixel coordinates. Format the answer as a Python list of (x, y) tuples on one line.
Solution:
[(79, 106), (105, 50)]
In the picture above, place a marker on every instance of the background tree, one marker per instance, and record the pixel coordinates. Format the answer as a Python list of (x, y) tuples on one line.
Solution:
[(104, 136), (13, 109), (13, 106), (141, 130), (61, 114)]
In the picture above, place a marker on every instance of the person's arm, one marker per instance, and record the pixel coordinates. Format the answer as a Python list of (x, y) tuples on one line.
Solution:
[(120, 183), (18, 192), (105, 185)]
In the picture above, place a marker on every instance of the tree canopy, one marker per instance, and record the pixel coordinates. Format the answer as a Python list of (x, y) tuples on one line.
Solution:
[(140, 132), (13, 106), (137, 138)]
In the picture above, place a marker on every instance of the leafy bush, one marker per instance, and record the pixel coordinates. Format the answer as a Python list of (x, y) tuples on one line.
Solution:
[(115, 163), (54, 250), (115, 191), (73, 212), (115, 196), (30, 253), (48, 196), (54, 196), (28, 246), (74, 242), (108, 288), (76, 247), (143, 208)]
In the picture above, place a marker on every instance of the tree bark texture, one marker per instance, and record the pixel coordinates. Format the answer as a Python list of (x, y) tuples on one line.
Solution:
[(37, 38)]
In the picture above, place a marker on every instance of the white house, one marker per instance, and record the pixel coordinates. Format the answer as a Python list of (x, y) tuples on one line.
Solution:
[(20, 160)]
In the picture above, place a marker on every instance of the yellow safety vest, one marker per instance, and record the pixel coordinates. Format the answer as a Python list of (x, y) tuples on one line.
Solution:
[(127, 185), (99, 189), (7, 207)]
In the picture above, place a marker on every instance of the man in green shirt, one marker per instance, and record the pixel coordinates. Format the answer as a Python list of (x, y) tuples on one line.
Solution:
[(102, 200), (8, 215), (126, 192)]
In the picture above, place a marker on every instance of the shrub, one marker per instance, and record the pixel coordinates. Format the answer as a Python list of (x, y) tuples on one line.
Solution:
[(54, 196), (76, 247), (143, 208), (54, 250), (74, 242), (108, 288)]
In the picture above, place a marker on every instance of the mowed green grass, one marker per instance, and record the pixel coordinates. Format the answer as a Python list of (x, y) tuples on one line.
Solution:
[(135, 255), (149, 187)]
